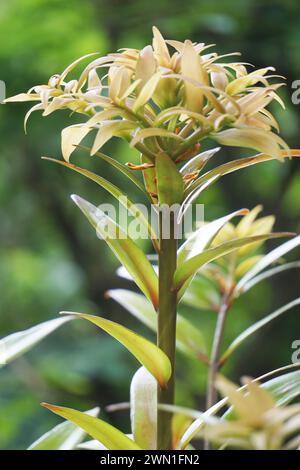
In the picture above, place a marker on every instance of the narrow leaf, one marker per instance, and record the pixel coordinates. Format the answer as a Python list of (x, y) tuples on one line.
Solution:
[(268, 259), (189, 268), (114, 191), (65, 436), (257, 326), (128, 253), (202, 237), (149, 355), (189, 339), (19, 343), (109, 436)]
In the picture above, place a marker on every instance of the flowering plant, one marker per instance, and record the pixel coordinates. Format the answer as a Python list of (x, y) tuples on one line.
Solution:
[(166, 106)]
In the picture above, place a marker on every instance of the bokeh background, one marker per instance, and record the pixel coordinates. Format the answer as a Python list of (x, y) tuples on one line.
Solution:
[(50, 258)]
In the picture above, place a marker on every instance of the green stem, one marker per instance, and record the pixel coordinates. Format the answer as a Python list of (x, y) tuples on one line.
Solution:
[(211, 396), (166, 331)]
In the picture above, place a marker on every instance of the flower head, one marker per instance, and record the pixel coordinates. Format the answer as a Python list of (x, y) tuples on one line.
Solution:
[(167, 97)]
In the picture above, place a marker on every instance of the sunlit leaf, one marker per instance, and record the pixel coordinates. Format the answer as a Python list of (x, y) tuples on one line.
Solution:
[(109, 436), (128, 253), (189, 339), (189, 268), (16, 344), (149, 355), (239, 164), (114, 191), (65, 436), (119, 166), (202, 237)]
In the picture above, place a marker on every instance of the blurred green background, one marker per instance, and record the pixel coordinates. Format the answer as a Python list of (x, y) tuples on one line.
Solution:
[(51, 259)]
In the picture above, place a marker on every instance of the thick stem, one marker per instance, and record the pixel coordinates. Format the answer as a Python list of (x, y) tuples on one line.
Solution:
[(166, 331)]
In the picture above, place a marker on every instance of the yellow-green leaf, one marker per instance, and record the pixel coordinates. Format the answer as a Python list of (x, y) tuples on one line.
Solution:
[(147, 353), (108, 435)]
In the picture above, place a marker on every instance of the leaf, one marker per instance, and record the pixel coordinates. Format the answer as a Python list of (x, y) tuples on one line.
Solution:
[(153, 132), (270, 272), (108, 130), (191, 68), (258, 139), (108, 435), (65, 436), (149, 176), (114, 191), (146, 92), (72, 136), (189, 268), (257, 326), (202, 237), (128, 253), (149, 355), (198, 162), (189, 339), (282, 387), (169, 181), (268, 259), (122, 168), (143, 409), (19, 343), (234, 165)]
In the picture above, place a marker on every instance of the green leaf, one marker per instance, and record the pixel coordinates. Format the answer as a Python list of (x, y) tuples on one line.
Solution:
[(65, 436), (143, 409), (257, 326), (284, 388), (239, 164), (108, 435), (269, 273), (189, 339), (149, 176), (169, 181), (119, 166), (268, 259), (202, 237), (149, 355), (128, 253), (16, 344), (189, 268), (121, 197)]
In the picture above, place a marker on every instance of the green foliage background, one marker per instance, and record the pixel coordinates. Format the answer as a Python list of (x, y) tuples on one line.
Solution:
[(51, 259)]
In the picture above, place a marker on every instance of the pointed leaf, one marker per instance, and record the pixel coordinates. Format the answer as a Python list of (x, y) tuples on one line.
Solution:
[(128, 253), (189, 339), (234, 165), (149, 355), (189, 268), (257, 326), (114, 191), (19, 343), (109, 436), (269, 273), (143, 409), (268, 259), (116, 164), (202, 237), (65, 436)]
